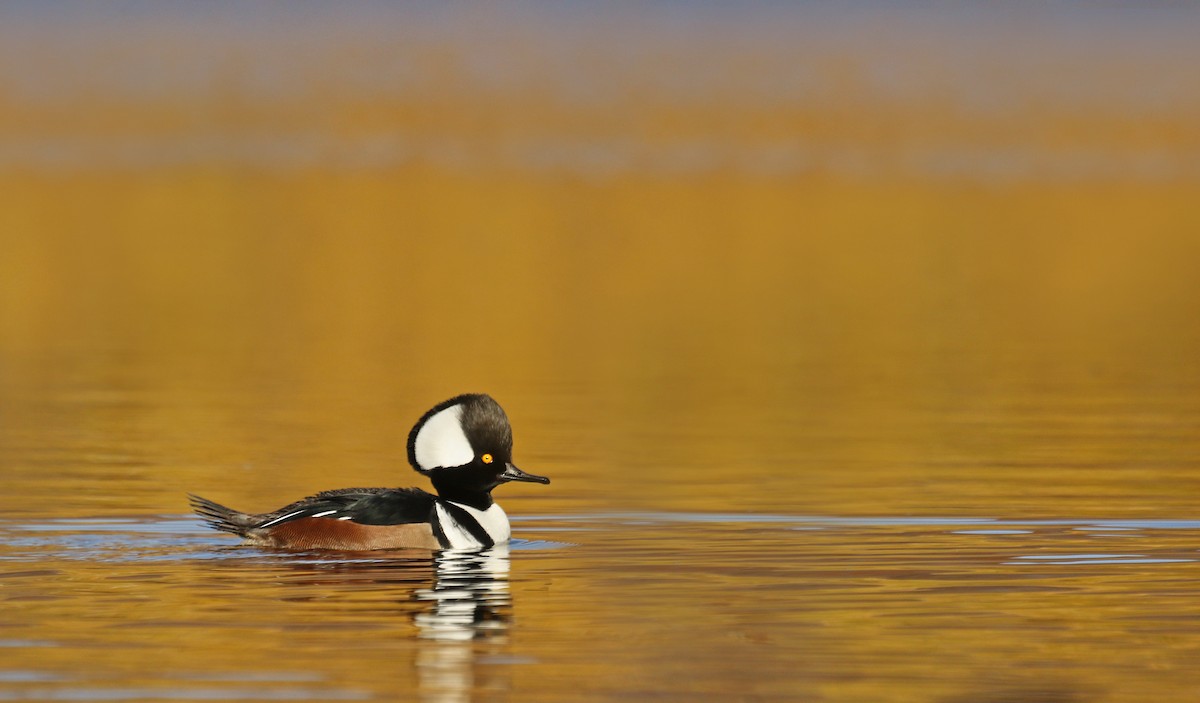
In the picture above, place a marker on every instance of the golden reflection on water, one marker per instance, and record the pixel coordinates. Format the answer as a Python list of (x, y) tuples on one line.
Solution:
[(808, 262), (684, 605), (973, 342)]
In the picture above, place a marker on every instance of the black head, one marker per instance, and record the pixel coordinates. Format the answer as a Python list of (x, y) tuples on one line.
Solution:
[(464, 445)]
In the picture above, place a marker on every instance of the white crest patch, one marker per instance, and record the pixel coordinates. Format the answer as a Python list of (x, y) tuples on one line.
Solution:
[(441, 442)]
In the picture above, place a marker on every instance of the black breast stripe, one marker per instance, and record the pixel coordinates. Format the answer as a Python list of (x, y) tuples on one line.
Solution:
[(465, 520)]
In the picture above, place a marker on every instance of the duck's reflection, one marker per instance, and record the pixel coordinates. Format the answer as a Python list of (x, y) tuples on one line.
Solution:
[(458, 601), (469, 599), (469, 602)]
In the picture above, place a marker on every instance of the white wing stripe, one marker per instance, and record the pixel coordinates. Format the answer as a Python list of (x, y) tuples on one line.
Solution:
[(279, 519)]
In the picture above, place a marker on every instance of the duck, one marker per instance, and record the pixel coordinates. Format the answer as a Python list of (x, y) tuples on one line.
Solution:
[(462, 445)]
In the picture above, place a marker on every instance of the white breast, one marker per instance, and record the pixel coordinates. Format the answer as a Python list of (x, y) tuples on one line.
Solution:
[(493, 520)]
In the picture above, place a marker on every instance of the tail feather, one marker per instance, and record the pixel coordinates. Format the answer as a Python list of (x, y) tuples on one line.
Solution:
[(221, 518)]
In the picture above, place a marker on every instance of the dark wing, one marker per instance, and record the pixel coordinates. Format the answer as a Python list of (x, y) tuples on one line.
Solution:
[(366, 506)]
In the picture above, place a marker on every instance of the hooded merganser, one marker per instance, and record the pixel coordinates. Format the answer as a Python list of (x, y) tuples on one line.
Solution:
[(464, 446)]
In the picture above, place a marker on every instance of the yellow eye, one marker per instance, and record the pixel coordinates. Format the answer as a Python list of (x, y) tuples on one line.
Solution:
[(486, 458)]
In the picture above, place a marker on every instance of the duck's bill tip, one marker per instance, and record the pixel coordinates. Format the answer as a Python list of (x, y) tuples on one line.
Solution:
[(512, 473)]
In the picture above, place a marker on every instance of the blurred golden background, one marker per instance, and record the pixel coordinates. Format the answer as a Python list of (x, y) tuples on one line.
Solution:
[(799, 259), (846, 281)]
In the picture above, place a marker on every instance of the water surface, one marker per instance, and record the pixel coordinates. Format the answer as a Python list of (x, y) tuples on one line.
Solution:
[(675, 605), (860, 344)]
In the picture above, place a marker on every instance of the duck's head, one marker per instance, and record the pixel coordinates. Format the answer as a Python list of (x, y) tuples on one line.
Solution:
[(464, 446)]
